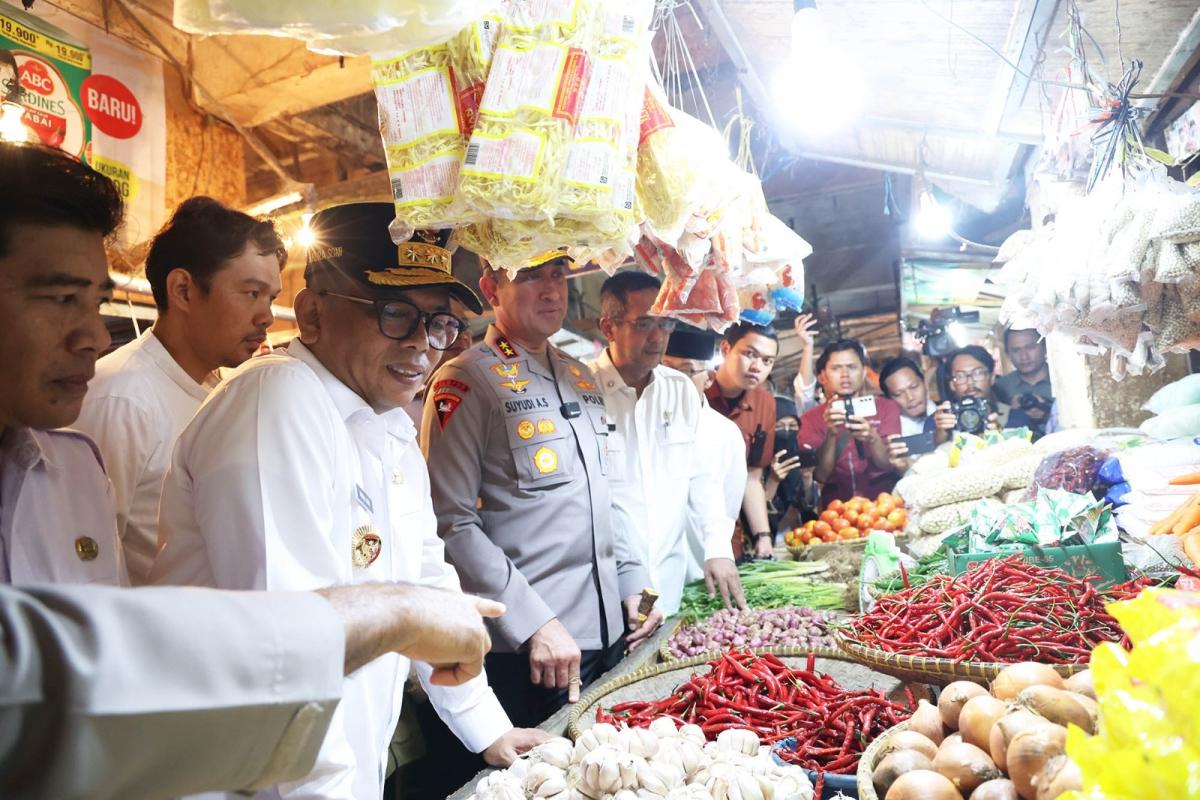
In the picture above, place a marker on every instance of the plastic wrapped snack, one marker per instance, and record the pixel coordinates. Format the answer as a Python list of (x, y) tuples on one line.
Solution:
[(1071, 470), (1148, 740), (428, 102), (527, 116)]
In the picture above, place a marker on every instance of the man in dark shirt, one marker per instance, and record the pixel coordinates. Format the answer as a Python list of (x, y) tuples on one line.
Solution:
[(1026, 390), (852, 452), (738, 392)]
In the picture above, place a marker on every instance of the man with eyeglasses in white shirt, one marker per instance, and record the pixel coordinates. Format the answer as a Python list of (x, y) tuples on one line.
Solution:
[(303, 472), (655, 466)]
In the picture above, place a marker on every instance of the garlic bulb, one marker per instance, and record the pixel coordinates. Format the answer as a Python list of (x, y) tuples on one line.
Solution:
[(544, 780), (520, 768), (638, 741), (738, 741), (596, 736), (556, 752), (658, 779), (693, 733), (607, 770), (664, 728), (692, 791), (793, 787)]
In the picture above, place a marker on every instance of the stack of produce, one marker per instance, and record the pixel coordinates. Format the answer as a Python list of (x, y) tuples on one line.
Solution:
[(851, 519), (661, 760), (1176, 409), (772, 628), (1000, 610), (998, 745), (1184, 522), (831, 725), (1115, 270), (942, 499), (768, 584), (1148, 742)]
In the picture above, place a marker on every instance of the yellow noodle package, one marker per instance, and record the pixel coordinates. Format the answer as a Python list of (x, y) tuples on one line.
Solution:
[(428, 103)]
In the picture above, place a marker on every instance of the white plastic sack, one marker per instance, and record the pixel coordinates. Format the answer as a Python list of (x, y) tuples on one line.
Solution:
[(1183, 392)]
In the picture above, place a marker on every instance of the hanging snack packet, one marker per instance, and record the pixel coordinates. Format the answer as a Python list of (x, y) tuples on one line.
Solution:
[(530, 107), (428, 102)]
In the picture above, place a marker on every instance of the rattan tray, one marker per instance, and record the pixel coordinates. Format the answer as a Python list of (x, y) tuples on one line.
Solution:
[(939, 671), (870, 758), (654, 682)]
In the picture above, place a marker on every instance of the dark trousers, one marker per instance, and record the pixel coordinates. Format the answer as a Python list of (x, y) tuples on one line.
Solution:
[(449, 765)]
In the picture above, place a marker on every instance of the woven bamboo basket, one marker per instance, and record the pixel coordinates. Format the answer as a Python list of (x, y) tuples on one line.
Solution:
[(654, 682), (870, 759), (940, 671)]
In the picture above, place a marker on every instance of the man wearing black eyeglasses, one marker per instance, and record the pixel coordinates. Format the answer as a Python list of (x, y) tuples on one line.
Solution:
[(515, 433), (303, 471)]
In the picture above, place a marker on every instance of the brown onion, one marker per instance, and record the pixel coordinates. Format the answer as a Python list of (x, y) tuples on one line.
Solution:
[(1014, 678), (954, 738), (953, 698), (893, 765), (923, 784), (1060, 706), (909, 740), (978, 716), (1028, 753), (1008, 728), (1060, 775), (1081, 683), (965, 765), (927, 721), (998, 789)]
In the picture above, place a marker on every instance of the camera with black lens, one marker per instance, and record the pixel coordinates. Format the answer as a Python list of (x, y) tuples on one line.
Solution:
[(943, 332), (971, 414), (1028, 402)]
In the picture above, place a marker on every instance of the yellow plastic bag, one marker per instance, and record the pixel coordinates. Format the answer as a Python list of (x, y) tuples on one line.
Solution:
[(1148, 744)]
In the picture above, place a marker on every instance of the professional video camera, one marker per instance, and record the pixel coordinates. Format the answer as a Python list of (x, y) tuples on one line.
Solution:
[(941, 333)]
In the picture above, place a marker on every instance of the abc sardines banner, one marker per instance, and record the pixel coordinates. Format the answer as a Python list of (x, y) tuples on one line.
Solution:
[(95, 97)]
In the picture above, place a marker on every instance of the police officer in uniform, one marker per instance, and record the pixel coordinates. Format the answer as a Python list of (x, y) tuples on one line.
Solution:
[(515, 433)]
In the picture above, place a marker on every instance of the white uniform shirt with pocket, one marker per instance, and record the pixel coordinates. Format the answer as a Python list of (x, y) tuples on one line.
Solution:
[(282, 475), (658, 474)]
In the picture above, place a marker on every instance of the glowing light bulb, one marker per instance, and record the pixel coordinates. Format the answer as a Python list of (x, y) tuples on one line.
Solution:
[(306, 237), (933, 220), (12, 129)]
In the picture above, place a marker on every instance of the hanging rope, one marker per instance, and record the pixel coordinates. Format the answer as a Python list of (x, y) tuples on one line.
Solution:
[(743, 153), (678, 74)]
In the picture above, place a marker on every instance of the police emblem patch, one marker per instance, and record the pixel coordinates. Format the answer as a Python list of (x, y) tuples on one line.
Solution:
[(545, 426), (545, 460), (445, 405), (525, 429)]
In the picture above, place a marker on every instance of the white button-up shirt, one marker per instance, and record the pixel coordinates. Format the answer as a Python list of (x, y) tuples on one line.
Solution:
[(911, 426), (272, 485), (56, 511), (135, 408), (657, 475), (721, 452)]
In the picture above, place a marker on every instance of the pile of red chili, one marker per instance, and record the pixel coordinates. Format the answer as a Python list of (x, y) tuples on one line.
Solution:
[(999, 610), (832, 726)]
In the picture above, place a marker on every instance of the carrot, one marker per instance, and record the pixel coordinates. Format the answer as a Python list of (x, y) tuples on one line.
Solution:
[(1189, 519), (1187, 479), (1167, 523), (1191, 547)]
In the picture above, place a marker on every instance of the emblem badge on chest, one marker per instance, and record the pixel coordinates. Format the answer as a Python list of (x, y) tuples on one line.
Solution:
[(515, 386), (86, 548), (365, 547), (545, 460)]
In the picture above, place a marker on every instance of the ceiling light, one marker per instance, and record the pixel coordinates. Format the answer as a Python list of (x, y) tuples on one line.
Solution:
[(306, 237), (264, 207), (933, 220)]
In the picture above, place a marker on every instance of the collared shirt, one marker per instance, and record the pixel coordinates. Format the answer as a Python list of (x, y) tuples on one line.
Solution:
[(658, 475), (56, 511), (517, 453), (722, 454), (911, 426), (287, 480), (135, 408), (853, 474), (753, 412), (1011, 384)]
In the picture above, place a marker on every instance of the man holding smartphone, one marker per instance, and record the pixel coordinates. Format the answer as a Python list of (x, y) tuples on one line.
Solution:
[(849, 431)]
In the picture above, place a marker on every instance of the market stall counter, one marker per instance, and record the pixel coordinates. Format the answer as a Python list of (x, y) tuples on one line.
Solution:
[(644, 656)]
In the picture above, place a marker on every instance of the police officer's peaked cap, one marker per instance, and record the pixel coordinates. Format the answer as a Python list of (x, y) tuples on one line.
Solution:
[(354, 240)]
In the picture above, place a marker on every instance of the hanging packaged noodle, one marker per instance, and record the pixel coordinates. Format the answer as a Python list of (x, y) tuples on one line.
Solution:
[(530, 107), (428, 103)]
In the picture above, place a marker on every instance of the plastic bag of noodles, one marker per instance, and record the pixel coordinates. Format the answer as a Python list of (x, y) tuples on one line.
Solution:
[(518, 150)]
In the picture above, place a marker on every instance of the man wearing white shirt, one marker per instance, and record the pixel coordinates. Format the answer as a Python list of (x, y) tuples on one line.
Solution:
[(655, 468), (56, 513), (214, 272), (303, 471)]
